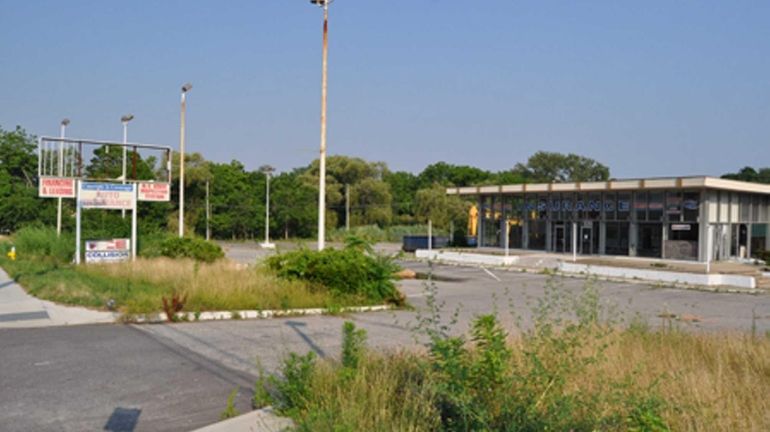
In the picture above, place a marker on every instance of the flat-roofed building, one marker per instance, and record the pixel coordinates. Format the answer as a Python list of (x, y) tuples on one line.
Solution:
[(688, 218)]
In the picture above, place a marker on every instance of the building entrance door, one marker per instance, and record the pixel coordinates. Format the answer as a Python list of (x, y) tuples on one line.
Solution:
[(560, 241), (586, 240)]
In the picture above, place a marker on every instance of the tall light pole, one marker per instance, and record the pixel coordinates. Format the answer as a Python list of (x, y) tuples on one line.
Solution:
[(62, 132), (125, 119), (268, 171), (322, 160), (185, 88)]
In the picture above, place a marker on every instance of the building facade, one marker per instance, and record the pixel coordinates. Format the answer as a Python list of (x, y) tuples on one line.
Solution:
[(686, 218)]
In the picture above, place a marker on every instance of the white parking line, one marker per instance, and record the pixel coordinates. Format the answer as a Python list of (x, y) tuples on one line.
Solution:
[(491, 274)]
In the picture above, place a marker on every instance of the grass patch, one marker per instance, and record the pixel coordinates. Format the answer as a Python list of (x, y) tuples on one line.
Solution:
[(139, 287), (184, 284)]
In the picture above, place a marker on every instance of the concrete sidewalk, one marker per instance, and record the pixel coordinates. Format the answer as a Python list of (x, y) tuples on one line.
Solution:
[(262, 420), (21, 310)]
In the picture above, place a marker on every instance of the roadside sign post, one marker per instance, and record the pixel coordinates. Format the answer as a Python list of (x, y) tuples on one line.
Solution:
[(108, 196)]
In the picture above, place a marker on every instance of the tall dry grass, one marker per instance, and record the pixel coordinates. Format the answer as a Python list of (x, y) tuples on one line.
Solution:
[(221, 285), (715, 382), (708, 382)]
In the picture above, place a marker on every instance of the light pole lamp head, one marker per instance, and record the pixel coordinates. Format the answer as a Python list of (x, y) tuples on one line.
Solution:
[(127, 118), (187, 87), (321, 3), (267, 169), (65, 122)]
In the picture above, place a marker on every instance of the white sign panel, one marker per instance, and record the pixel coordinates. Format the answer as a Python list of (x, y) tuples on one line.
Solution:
[(56, 187), (108, 251), (107, 196), (154, 191)]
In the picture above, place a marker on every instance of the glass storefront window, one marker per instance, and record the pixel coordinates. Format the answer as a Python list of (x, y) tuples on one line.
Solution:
[(623, 206), (690, 206), (554, 204), (609, 203), (674, 205), (640, 205), (655, 206), (594, 206)]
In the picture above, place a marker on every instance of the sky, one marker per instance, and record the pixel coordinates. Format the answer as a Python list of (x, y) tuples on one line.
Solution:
[(649, 88)]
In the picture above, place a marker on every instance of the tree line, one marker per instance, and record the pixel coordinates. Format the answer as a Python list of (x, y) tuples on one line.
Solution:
[(364, 192)]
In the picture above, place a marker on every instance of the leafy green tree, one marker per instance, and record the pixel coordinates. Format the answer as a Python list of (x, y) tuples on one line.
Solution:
[(546, 167), (749, 174), (293, 205), (237, 201), (452, 175), (441, 209), (370, 201), (19, 203), (372, 194), (403, 187)]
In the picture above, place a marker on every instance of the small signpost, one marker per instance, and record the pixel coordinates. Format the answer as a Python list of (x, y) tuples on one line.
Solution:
[(107, 196), (108, 251)]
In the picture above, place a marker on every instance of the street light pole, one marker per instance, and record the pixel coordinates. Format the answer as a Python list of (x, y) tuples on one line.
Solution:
[(322, 160), (62, 133), (125, 119), (183, 109), (268, 170)]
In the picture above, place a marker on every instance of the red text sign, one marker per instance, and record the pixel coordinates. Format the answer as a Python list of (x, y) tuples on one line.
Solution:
[(154, 191), (56, 187)]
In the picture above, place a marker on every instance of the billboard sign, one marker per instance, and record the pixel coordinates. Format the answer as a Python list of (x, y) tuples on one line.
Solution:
[(108, 251), (107, 196), (56, 187), (154, 191)]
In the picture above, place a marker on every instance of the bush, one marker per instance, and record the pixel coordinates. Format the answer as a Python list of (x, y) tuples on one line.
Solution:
[(195, 248), (40, 241), (349, 271)]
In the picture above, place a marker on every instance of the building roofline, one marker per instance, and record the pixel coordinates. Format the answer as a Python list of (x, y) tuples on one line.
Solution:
[(690, 182)]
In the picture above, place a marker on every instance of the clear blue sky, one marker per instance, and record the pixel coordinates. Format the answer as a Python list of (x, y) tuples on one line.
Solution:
[(649, 88)]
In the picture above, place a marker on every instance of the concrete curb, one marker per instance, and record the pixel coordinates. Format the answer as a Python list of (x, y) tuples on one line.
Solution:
[(261, 420), (161, 317)]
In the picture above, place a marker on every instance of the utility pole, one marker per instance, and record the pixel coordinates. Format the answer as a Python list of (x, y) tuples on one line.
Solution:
[(347, 207), (185, 88), (267, 170), (208, 213), (62, 132), (125, 119), (322, 159)]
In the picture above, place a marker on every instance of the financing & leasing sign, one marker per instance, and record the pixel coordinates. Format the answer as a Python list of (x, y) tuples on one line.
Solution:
[(56, 187), (107, 196)]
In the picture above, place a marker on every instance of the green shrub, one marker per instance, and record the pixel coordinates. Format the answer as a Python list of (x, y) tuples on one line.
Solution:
[(40, 241), (195, 248), (353, 345), (348, 271)]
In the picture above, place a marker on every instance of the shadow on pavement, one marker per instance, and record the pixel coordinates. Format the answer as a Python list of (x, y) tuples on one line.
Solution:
[(123, 420), (295, 325)]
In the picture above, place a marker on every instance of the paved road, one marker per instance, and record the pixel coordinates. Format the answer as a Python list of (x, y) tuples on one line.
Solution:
[(109, 377), (177, 377)]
